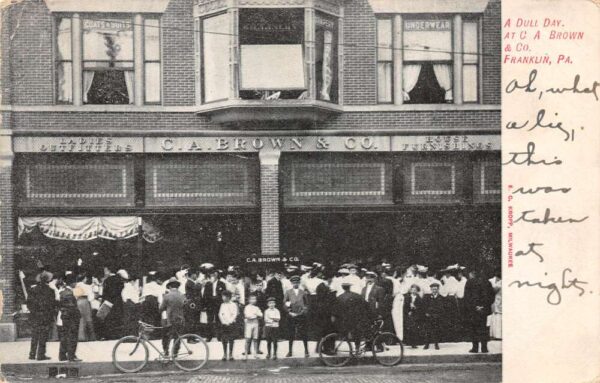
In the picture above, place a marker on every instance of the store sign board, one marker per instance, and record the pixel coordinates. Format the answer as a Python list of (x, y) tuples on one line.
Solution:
[(100, 144), (78, 144), (255, 144), (271, 259), (445, 143)]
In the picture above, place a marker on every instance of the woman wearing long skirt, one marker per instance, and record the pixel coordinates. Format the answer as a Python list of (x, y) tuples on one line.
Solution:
[(398, 315), (86, 325), (496, 317)]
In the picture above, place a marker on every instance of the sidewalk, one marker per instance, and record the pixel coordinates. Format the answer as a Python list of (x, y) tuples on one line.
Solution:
[(97, 357)]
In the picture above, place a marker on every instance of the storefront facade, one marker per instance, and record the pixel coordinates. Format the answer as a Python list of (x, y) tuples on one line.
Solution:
[(248, 132)]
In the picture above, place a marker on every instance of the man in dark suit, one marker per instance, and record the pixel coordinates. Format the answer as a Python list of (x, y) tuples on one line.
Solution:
[(374, 295), (173, 304), (351, 314), (211, 298), (69, 316), (413, 315), (296, 305), (478, 299), (112, 326), (42, 305), (435, 306)]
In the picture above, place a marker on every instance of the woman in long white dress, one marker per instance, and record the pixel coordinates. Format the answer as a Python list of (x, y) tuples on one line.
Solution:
[(398, 305), (496, 316)]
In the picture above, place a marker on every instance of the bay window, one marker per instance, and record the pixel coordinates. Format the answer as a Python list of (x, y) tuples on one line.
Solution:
[(438, 64), (269, 54), (64, 60), (108, 59), (215, 53)]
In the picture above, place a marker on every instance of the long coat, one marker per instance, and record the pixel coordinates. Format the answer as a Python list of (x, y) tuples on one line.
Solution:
[(413, 319), (42, 304), (351, 314)]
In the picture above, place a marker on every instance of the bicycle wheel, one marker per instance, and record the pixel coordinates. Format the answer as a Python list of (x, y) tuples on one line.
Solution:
[(388, 349), (130, 354), (335, 350), (190, 352)]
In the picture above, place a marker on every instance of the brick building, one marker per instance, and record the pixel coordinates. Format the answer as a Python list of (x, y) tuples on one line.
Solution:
[(155, 132)]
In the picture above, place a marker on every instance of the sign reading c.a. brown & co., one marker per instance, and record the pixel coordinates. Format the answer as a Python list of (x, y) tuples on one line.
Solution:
[(233, 144)]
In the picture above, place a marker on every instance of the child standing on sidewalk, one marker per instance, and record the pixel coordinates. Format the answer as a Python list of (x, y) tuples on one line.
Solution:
[(228, 313), (271, 332), (251, 317)]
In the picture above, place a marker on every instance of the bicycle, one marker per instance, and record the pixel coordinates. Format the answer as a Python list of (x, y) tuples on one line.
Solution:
[(130, 354), (336, 350)]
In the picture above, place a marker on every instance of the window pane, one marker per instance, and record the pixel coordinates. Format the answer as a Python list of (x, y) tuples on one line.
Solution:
[(215, 51), (427, 40), (433, 179), (384, 82), (64, 79), (384, 40), (152, 81), (107, 39), (326, 57), (470, 42), (152, 39), (63, 39), (470, 83)]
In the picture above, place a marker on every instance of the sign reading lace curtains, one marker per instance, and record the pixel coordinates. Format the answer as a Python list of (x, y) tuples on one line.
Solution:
[(410, 76), (443, 74)]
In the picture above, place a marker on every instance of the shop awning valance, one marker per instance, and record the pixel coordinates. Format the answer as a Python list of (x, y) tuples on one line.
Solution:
[(428, 6), (81, 228)]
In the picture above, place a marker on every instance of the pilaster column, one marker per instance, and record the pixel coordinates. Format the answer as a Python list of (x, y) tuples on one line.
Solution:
[(458, 60), (7, 239), (309, 51), (138, 59), (77, 56), (269, 201), (397, 57)]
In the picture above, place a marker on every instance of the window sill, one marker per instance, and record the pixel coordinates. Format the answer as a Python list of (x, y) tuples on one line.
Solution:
[(233, 111), (420, 107)]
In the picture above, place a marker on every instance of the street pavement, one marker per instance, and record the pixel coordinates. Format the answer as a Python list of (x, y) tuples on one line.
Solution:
[(442, 373)]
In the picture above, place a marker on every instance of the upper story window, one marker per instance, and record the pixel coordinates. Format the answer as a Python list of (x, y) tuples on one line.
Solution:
[(103, 59), (273, 54), (432, 65)]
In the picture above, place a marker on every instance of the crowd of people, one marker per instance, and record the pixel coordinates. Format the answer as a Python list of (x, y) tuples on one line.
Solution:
[(295, 302)]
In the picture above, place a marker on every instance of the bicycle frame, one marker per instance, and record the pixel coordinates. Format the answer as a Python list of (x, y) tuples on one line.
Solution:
[(143, 338)]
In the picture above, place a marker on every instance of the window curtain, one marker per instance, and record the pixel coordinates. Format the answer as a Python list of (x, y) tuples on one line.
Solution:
[(129, 79), (326, 73), (444, 78), (88, 79), (410, 74)]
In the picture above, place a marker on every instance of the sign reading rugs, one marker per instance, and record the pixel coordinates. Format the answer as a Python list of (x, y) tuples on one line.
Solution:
[(255, 144)]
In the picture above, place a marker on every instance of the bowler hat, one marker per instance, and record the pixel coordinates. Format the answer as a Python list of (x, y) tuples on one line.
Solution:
[(173, 283)]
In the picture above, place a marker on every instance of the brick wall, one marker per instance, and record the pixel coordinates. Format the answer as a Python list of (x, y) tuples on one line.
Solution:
[(7, 235), (32, 65), (269, 209), (492, 49), (484, 119), (31, 53), (360, 60), (178, 53)]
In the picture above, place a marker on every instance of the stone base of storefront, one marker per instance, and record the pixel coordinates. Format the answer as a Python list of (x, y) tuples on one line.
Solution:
[(8, 332)]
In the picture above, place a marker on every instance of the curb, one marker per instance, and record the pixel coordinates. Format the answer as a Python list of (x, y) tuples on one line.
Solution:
[(42, 370)]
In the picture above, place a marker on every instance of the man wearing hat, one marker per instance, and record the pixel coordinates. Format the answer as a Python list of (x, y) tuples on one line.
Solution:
[(69, 319), (42, 306), (351, 313), (212, 299), (173, 304), (112, 287), (434, 308), (373, 295), (296, 304), (336, 282)]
